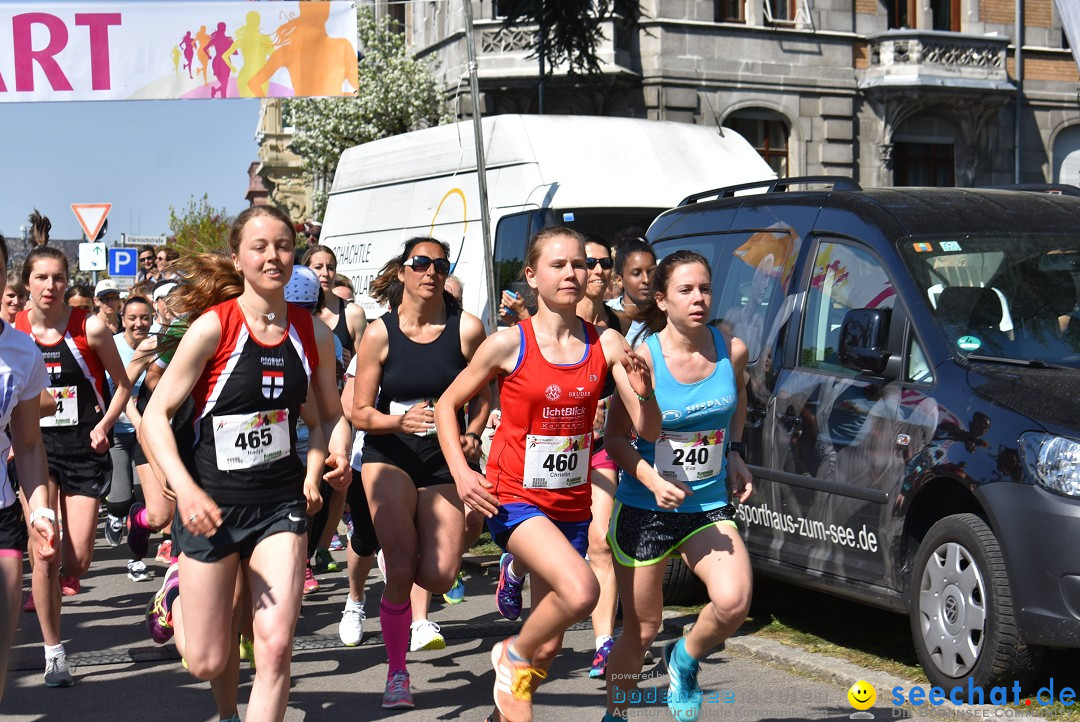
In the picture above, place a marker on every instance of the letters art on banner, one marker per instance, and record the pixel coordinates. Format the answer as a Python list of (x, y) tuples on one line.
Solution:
[(159, 51)]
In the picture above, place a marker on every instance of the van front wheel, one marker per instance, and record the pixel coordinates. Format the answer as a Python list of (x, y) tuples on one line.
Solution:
[(962, 616)]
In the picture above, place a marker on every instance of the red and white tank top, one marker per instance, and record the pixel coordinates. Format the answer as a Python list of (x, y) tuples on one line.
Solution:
[(76, 382), (540, 453)]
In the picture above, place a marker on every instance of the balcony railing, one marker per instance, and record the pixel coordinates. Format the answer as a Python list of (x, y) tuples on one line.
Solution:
[(507, 48), (907, 58)]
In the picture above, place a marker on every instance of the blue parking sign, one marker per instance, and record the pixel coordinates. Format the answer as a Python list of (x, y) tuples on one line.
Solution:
[(123, 261)]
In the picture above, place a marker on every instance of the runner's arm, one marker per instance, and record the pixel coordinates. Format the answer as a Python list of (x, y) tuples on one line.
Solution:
[(333, 440), (101, 342), (33, 470), (634, 384)]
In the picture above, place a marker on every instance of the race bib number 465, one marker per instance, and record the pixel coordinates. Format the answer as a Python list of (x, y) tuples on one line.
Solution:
[(244, 441), (556, 462), (689, 456)]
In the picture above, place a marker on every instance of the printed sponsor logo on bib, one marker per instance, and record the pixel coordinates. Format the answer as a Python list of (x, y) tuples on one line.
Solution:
[(67, 407), (244, 441), (689, 456), (556, 462)]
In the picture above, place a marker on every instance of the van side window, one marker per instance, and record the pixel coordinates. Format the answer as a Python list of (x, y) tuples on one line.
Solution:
[(752, 288), (844, 278)]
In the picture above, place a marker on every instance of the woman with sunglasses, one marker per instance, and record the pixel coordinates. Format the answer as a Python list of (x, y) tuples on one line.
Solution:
[(406, 360), (147, 264)]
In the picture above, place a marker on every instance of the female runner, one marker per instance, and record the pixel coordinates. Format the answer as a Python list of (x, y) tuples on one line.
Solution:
[(78, 350), (551, 370), (253, 363), (407, 358), (676, 496), (22, 375)]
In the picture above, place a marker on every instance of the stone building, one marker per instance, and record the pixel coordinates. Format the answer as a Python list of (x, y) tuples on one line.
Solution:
[(278, 177), (889, 92)]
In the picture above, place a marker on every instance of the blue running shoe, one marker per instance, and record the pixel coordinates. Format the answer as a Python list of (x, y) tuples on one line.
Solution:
[(599, 661), (508, 594), (456, 594), (684, 695)]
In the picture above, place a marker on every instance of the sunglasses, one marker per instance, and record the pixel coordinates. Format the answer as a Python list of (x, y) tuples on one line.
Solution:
[(144, 259), (420, 264), (606, 263)]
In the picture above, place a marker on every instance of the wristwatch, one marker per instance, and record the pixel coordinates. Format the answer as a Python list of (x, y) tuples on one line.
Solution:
[(738, 447)]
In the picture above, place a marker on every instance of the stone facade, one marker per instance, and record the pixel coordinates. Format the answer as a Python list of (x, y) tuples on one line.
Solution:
[(280, 170), (819, 86)]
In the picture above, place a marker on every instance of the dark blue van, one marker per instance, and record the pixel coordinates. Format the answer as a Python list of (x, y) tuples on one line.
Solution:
[(914, 403)]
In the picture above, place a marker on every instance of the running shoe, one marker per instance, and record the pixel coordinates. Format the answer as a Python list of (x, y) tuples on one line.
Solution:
[(324, 562), (28, 603), (114, 530), (347, 517), (57, 673), (515, 683), (336, 545), (351, 626), (425, 636), (456, 594), (164, 552), (508, 594), (247, 650), (311, 584), (137, 571), (684, 695), (138, 535), (599, 661), (397, 694), (69, 586), (158, 609)]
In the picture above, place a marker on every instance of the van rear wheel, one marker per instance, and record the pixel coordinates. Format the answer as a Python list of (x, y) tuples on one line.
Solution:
[(962, 616)]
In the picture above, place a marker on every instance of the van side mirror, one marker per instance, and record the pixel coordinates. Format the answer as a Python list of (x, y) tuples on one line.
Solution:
[(863, 337)]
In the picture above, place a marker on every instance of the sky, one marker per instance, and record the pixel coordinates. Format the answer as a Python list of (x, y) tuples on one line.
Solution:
[(141, 156)]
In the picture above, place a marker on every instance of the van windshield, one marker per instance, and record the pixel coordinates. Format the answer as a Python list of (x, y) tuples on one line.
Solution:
[(1010, 298)]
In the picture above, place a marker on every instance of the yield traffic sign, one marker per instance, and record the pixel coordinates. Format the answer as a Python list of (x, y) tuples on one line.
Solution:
[(91, 217)]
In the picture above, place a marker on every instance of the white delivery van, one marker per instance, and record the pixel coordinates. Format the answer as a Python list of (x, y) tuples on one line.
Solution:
[(596, 175)]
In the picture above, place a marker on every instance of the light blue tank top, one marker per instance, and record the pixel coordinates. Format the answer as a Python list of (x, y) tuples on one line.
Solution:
[(123, 423), (693, 434)]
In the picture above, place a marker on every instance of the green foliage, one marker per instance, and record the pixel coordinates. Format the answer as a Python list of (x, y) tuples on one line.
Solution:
[(397, 94), (570, 35), (199, 226)]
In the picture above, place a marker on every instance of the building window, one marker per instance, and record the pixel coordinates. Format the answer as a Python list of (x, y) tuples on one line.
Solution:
[(780, 11), (768, 133), (395, 10), (924, 164), (730, 11), (504, 8), (946, 14), (901, 13)]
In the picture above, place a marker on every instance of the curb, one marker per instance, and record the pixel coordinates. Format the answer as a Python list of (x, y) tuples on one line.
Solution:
[(840, 672)]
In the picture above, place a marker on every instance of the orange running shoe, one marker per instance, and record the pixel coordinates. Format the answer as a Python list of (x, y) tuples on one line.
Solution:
[(515, 683)]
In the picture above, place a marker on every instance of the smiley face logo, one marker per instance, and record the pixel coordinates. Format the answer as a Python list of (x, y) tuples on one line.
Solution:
[(861, 695)]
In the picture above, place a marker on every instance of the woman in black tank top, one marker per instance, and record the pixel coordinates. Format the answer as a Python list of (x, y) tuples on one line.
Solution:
[(346, 320), (406, 360)]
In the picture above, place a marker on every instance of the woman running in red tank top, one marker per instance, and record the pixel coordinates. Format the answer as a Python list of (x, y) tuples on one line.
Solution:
[(536, 496)]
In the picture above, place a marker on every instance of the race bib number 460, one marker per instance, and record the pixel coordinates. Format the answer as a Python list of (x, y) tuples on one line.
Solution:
[(244, 441), (689, 456), (556, 462), (67, 407)]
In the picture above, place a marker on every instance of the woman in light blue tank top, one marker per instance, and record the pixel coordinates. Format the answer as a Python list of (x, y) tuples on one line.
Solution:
[(675, 495)]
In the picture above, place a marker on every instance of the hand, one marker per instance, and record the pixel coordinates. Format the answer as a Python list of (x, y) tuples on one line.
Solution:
[(670, 494), (340, 475), (473, 488), (470, 447), (513, 306), (418, 419), (313, 498), (99, 440), (45, 545), (600, 418), (198, 512), (740, 480), (638, 374), (494, 419)]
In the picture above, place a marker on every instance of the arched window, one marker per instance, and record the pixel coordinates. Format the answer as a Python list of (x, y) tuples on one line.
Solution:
[(768, 132), (1067, 156)]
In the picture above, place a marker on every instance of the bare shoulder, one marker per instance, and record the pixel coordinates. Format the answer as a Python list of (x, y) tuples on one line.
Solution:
[(614, 344), (471, 325), (736, 349)]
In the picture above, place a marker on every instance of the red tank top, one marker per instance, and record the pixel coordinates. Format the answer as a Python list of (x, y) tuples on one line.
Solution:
[(540, 454)]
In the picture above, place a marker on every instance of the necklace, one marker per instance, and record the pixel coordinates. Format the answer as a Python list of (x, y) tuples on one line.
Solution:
[(268, 316)]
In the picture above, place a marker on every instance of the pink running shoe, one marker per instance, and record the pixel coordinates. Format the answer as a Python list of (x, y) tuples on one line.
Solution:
[(159, 609), (69, 586), (311, 584)]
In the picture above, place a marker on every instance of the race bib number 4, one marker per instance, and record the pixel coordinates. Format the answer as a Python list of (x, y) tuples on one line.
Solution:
[(556, 462), (67, 407), (244, 441), (689, 456)]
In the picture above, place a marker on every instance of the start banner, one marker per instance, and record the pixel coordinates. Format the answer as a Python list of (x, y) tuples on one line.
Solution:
[(176, 50)]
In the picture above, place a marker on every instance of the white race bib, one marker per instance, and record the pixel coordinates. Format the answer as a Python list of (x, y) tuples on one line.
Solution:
[(244, 441), (397, 409), (67, 407), (556, 462), (689, 456)]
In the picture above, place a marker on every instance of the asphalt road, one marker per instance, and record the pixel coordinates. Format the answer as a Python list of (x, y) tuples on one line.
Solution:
[(122, 675)]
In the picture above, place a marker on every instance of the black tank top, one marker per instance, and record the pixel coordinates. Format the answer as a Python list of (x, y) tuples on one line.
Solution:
[(417, 371), (341, 330)]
